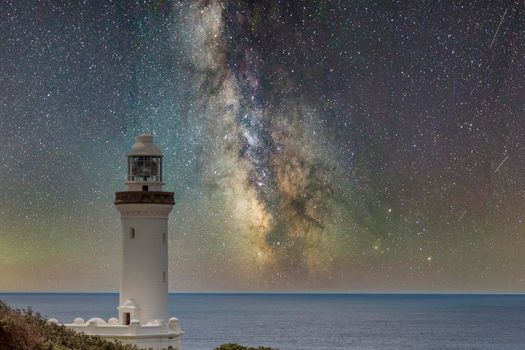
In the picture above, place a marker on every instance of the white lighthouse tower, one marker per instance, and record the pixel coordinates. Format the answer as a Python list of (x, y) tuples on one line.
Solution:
[(144, 210)]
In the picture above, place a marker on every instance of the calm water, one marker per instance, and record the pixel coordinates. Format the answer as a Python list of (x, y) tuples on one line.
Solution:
[(304, 321)]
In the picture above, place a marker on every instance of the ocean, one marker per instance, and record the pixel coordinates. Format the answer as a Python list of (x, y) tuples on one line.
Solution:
[(319, 321)]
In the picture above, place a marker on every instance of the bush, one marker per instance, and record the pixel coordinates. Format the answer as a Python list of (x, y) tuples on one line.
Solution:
[(26, 330), (232, 346)]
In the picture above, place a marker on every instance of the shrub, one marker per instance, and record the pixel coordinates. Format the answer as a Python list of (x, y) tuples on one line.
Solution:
[(26, 330), (232, 346)]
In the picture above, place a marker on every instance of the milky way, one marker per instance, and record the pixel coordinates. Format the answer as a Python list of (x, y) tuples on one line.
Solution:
[(315, 145)]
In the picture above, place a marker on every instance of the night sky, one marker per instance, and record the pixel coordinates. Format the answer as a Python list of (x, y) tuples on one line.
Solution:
[(311, 145)]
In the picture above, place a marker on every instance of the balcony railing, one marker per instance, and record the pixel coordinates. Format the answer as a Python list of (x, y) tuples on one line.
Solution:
[(140, 178), (153, 197)]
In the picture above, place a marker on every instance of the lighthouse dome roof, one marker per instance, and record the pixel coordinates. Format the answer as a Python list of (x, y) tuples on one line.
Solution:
[(96, 321), (144, 146)]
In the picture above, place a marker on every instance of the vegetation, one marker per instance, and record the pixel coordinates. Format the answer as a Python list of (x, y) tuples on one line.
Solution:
[(240, 347), (26, 330)]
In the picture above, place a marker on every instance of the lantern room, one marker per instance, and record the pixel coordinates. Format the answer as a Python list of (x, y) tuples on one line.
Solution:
[(144, 165)]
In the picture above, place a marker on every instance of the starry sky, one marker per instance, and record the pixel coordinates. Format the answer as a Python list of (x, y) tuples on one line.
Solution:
[(311, 145)]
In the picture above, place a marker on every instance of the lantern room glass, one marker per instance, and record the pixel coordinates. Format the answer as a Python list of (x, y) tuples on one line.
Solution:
[(145, 168)]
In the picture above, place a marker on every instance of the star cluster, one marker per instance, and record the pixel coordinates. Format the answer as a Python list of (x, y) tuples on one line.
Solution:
[(311, 145)]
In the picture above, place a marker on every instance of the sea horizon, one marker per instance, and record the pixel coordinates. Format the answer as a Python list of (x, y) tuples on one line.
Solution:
[(287, 292)]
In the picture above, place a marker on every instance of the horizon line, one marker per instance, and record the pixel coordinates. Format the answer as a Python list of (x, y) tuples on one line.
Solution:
[(428, 292)]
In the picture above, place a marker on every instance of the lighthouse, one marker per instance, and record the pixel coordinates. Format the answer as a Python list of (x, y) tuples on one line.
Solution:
[(144, 209), (143, 300)]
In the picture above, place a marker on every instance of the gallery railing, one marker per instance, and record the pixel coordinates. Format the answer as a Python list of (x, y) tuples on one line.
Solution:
[(154, 197)]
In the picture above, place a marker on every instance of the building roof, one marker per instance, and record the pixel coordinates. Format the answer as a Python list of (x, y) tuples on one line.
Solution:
[(144, 146)]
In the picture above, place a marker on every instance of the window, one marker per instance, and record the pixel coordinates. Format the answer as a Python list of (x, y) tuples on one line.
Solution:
[(145, 168), (163, 238), (145, 188), (132, 233), (127, 318), (164, 276)]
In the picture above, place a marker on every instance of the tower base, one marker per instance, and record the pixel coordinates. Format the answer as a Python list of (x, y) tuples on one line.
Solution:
[(157, 336)]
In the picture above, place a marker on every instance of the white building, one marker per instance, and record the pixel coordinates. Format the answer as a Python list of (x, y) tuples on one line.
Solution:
[(144, 210)]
